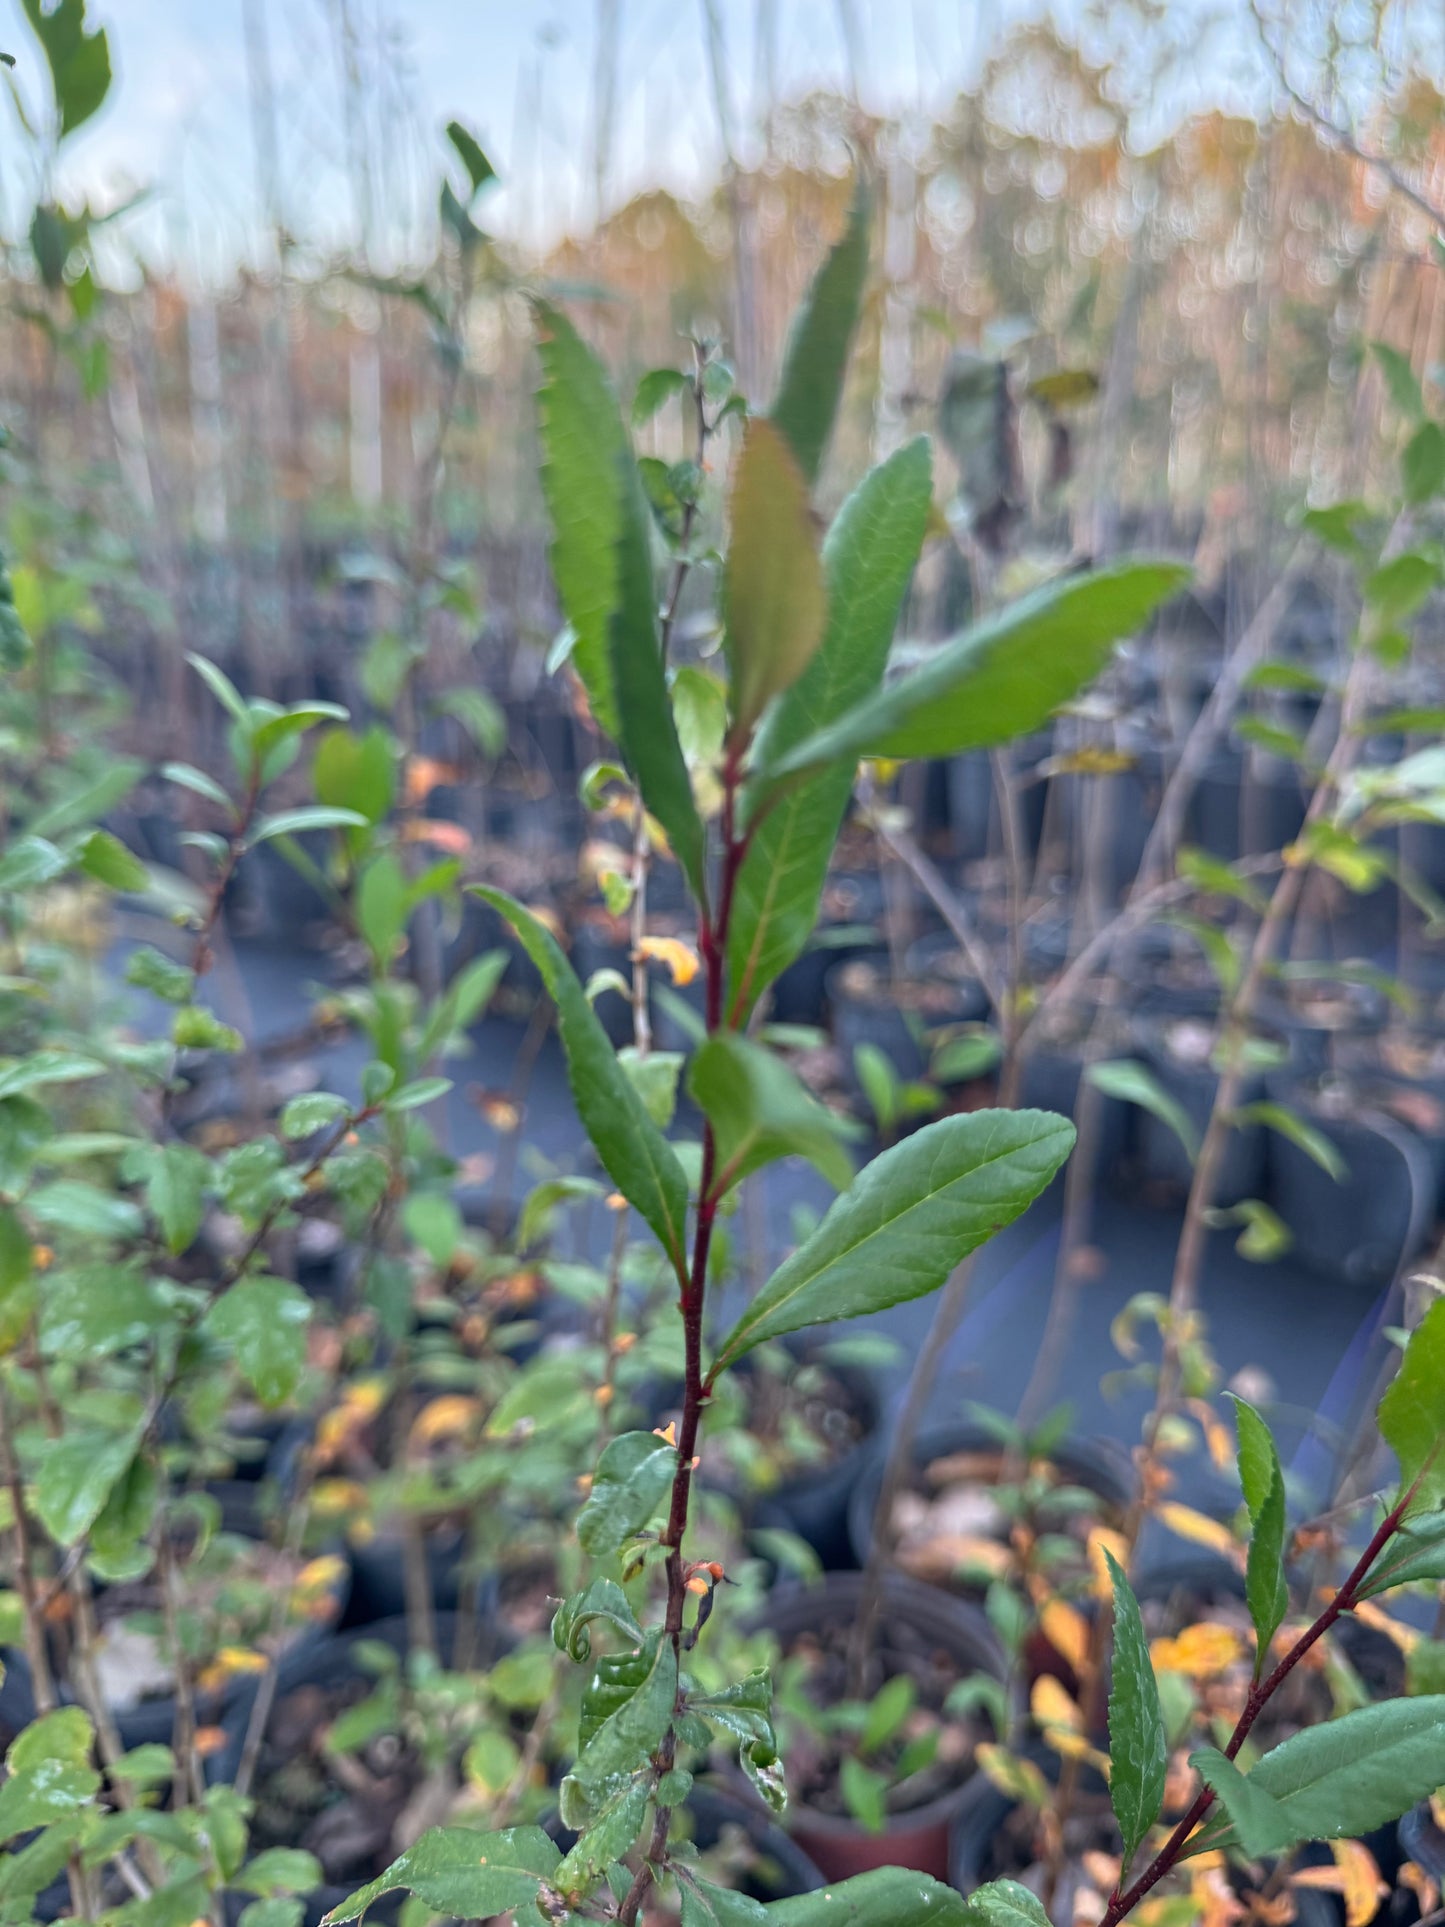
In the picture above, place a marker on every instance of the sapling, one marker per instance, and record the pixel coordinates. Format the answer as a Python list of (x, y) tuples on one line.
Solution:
[(806, 639)]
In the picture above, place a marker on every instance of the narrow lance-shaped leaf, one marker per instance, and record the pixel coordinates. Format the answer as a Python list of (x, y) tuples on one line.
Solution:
[(898, 1897), (760, 1111), (583, 444), (646, 728), (1262, 1479), (1138, 1752), (811, 387), (1412, 1412), (868, 561), (1345, 1777), (1260, 1824), (1003, 676), (633, 1151), (907, 1220), (773, 594)]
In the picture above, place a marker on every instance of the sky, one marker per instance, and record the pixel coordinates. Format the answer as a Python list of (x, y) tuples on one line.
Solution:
[(524, 74)]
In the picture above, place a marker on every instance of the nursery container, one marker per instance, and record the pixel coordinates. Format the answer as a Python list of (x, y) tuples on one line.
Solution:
[(915, 1622), (1098, 1465), (1178, 1052), (1359, 1230), (869, 1005)]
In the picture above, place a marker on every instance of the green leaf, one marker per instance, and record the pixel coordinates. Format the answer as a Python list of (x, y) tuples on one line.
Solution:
[(85, 805), (1416, 1554), (1260, 1824), (79, 60), (420, 1092), (868, 561), (865, 1792), (654, 1077), (774, 600), (898, 1897), (382, 907), (1262, 1479), (224, 691), (31, 861), (888, 1709), (1135, 1084), (279, 1870), (907, 1220), (1137, 1748), (354, 772), (176, 1193), (45, 1067), (612, 1828), (1404, 389), (1412, 1412), (106, 858), (1004, 676), (633, 1475), (811, 387), (49, 1772), (1398, 587), (310, 816), (1423, 463), (636, 1156), (71, 1205), (626, 1708), (462, 1874), (1288, 1123), (469, 151), (187, 777), (152, 970), (263, 1321), (196, 1028), (760, 1111), (303, 1116), (603, 1602), (76, 1477), (645, 725), (583, 448), (657, 386), (1345, 1777)]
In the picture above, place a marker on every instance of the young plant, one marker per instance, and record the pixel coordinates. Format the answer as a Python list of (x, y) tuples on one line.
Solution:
[(806, 641)]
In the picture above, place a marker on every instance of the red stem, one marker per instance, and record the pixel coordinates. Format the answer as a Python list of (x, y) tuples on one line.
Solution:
[(1260, 1695)]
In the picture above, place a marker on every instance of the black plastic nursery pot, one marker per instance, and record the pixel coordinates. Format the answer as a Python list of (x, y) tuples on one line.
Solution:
[(1097, 1465), (1359, 1230), (1178, 1052), (919, 1629), (291, 1810), (813, 1503), (1164, 973), (1322, 1022), (1051, 1074), (150, 1718), (869, 1005), (850, 920)]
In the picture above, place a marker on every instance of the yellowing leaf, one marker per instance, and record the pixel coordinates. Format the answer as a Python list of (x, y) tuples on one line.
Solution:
[(450, 837), (1051, 1705), (1217, 1435), (1067, 1631), (424, 774), (445, 1418), (1201, 1651), (679, 957), (1198, 1528), (1103, 1540), (1406, 1638), (773, 589), (1019, 1779), (1354, 1876)]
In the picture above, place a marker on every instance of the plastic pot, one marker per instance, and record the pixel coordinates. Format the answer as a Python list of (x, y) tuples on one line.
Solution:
[(868, 1007), (332, 1665), (1320, 1020), (152, 1721), (1359, 1230), (1177, 1052), (813, 1505), (1049, 1081), (915, 1620), (1098, 1465)]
